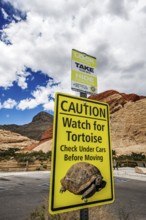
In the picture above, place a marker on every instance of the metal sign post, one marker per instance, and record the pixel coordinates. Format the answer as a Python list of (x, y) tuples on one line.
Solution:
[(83, 212)]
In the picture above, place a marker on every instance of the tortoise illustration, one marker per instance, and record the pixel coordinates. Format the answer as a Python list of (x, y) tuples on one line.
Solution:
[(82, 179)]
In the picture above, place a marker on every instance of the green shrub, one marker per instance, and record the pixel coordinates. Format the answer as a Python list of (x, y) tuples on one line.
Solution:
[(8, 154)]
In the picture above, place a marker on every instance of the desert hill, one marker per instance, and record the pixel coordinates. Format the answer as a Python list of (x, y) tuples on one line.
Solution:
[(33, 130)]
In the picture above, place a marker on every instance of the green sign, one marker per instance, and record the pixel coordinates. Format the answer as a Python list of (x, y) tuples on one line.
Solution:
[(83, 77)]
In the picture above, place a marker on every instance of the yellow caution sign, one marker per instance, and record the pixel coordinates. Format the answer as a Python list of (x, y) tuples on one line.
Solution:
[(81, 174)]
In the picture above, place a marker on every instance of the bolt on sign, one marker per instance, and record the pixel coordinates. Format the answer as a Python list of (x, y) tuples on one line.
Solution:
[(83, 77), (81, 174)]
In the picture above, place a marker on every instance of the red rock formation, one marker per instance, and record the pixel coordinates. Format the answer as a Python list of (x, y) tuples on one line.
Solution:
[(115, 99), (31, 147), (111, 93), (47, 135)]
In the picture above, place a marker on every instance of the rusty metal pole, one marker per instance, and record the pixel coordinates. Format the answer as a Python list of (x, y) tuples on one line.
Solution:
[(83, 212)]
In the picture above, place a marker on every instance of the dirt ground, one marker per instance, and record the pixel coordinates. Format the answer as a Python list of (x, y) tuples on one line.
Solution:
[(95, 213), (104, 212)]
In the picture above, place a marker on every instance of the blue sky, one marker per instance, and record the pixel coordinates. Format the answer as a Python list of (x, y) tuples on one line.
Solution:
[(36, 40), (27, 82), (10, 113)]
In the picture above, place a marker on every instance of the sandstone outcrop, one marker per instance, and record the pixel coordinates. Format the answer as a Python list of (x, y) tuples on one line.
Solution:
[(128, 121), (129, 127), (45, 146), (115, 99), (10, 139), (141, 170)]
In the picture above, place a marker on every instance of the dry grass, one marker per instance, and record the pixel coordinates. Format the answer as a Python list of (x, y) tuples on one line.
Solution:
[(113, 211), (96, 213)]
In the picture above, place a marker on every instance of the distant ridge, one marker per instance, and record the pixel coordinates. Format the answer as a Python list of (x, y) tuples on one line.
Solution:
[(40, 123)]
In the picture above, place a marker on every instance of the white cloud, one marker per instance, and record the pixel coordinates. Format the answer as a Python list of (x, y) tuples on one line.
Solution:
[(27, 104), (49, 106), (9, 104), (40, 96), (113, 31), (5, 15), (21, 79)]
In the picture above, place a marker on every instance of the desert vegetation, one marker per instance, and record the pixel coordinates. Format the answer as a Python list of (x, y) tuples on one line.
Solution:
[(23, 159), (13, 159), (14, 153), (130, 160)]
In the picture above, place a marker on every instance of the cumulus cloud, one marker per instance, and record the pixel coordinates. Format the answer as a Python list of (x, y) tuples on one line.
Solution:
[(111, 30), (8, 104), (42, 96), (118, 8), (49, 106), (21, 79)]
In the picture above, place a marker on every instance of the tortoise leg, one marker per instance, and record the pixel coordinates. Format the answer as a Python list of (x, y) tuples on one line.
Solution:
[(63, 189), (89, 192), (101, 186)]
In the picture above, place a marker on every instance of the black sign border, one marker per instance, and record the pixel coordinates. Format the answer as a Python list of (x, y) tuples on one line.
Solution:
[(66, 208)]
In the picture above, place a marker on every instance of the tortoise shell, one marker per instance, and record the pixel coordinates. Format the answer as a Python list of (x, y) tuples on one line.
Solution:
[(80, 176)]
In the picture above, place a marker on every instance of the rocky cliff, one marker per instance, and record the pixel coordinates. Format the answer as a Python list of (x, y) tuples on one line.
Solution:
[(115, 99), (128, 120)]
